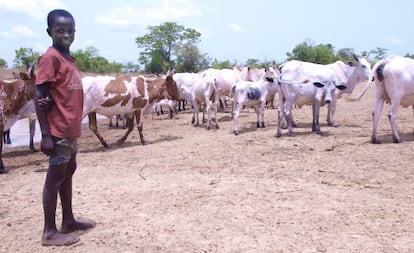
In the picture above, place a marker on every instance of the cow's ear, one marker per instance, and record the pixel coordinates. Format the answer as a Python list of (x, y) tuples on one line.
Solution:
[(24, 76), (341, 87), (355, 57), (318, 84)]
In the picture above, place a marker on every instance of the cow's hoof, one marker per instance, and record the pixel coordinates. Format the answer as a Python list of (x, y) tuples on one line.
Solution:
[(3, 171)]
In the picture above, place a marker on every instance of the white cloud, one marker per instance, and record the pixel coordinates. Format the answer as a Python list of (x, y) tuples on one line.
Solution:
[(34, 8), (19, 31), (128, 16), (237, 28), (24, 31)]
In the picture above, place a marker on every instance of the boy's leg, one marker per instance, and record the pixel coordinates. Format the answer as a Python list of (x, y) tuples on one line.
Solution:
[(69, 224), (51, 237)]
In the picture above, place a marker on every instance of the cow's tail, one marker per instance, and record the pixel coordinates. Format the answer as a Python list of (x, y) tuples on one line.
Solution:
[(377, 73)]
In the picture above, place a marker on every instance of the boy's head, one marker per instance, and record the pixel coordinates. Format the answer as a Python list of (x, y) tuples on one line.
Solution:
[(61, 28)]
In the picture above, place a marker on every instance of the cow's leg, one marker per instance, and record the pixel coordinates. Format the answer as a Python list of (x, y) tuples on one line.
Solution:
[(93, 126), (331, 113), (32, 127), (223, 103), (379, 104), (196, 109), (257, 110), (392, 116), (288, 115), (214, 105), (315, 118), (6, 137), (208, 110), (236, 113), (262, 109), (130, 123), (139, 115), (280, 116), (2, 169)]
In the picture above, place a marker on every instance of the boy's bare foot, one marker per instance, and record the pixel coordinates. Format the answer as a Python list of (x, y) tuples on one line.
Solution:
[(58, 239), (75, 225)]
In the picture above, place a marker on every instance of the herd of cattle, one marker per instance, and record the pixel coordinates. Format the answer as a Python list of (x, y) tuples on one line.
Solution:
[(295, 82)]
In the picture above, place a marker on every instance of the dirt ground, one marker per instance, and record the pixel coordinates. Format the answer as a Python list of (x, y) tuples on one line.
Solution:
[(194, 190)]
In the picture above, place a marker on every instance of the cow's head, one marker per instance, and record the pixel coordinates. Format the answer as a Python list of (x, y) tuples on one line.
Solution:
[(29, 79), (327, 88), (270, 74), (362, 69), (171, 86)]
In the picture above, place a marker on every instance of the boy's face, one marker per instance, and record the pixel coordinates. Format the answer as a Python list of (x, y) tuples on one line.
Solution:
[(62, 31)]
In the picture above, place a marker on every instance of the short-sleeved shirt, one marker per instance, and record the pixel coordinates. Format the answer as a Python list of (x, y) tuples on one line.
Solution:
[(63, 75)]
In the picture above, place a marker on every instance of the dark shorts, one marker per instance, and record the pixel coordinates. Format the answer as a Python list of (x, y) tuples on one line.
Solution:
[(64, 150)]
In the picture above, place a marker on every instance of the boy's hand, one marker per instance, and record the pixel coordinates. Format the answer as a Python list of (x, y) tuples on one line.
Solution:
[(46, 102), (46, 145)]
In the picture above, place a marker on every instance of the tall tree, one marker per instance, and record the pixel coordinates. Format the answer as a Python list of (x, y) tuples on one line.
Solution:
[(161, 44), (25, 56)]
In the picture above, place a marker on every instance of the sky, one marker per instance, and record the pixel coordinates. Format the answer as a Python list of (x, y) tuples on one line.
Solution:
[(234, 30)]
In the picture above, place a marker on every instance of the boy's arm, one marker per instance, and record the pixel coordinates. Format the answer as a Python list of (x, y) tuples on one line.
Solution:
[(43, 102)]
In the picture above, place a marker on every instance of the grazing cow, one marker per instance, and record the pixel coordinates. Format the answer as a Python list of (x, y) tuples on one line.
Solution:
[(135, 96), (347, 74), (253, 93), (16, 99), (299, 93), (394, 81)]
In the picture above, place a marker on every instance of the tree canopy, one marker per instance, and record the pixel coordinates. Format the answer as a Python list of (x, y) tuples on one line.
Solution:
[(25, 56), (167, 45)]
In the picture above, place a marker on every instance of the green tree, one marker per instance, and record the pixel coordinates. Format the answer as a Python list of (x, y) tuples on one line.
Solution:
[(89, 60), (3, 63), (25, 56), (226, 64), (408, 55), (322, 54), (189, 59), (162, 43), (379, 53), (345, 54)]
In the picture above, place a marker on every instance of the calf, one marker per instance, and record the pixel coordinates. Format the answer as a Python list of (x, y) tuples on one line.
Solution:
[(300, 93), (253, 93), (348, 74), (134, 96), (16, 99)]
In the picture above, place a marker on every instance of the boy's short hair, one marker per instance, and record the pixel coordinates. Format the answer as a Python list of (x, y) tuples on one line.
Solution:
[(57, 13)]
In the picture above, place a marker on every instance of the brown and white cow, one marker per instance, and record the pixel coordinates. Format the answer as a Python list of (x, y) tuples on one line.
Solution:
[(108, 96), (16, 99)]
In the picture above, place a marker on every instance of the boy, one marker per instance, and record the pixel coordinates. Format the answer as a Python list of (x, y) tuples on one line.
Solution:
[(59, 103)]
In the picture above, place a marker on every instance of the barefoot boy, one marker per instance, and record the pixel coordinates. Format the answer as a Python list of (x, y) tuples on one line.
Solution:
[(59, 103)]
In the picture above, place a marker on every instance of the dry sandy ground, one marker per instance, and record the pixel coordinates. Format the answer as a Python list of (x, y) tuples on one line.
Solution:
[(193, 190)]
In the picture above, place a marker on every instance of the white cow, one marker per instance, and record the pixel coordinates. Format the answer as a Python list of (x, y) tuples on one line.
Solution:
[(293, 91), (345, 74), (198, 89), (394, 81), (253, 93), (224, 79)]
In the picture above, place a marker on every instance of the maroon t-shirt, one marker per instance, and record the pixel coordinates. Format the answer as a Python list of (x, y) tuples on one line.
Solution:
[(61, 72)]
